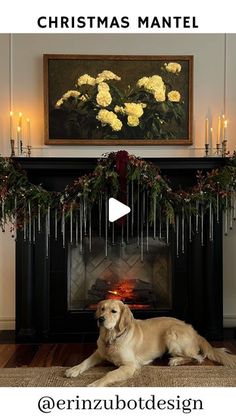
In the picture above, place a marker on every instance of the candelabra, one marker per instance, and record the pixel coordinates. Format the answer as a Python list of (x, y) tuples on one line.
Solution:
[(29, 148), (21, 149), (206, 150), (224, 148), (12, 142), (218, 149)]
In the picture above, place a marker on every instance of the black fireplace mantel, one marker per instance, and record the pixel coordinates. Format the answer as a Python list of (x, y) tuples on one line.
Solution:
[(72, 164), (54, 173), (41, 303)]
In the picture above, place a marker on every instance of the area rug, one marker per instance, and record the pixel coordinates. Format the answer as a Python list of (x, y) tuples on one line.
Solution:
[(148, 376)]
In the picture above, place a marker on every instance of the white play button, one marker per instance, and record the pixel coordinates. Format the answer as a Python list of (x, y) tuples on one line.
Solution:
[(117, 209)]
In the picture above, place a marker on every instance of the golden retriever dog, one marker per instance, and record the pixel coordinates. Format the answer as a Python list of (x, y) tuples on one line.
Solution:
[(129, 343)]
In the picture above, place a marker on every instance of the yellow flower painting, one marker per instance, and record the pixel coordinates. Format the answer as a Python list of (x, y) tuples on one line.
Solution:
[(119, 100)]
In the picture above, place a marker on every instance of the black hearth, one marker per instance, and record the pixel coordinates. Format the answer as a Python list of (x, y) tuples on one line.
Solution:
[(51, 305)]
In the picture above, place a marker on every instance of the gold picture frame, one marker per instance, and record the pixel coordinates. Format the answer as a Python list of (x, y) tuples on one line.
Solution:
[(118, 99)]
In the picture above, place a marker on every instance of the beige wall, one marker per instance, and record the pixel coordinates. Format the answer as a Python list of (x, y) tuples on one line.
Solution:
[(230, 241), (212, 57), (7, 251)]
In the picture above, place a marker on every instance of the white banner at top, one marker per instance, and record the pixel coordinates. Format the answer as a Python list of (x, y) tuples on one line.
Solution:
[(117, 16)]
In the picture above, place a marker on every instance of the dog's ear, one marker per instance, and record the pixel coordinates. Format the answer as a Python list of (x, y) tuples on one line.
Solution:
[(125, 320), (97, 312)]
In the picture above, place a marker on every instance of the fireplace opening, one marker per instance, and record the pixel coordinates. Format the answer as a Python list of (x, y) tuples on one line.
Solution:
[(142, 282)]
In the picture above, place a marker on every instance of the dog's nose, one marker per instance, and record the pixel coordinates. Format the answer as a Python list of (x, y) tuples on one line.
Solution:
[(101, 319)]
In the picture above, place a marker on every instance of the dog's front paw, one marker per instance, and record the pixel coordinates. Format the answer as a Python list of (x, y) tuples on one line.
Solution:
[(73, 372)]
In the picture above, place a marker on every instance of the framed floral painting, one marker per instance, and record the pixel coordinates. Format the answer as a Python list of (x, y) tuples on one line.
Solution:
[(119, 100)]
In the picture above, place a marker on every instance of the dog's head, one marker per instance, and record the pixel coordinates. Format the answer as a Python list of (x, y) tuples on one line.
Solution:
[(113, 314)]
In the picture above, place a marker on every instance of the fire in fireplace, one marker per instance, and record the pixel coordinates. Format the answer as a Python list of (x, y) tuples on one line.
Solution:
[(121, 275), (135, 292)]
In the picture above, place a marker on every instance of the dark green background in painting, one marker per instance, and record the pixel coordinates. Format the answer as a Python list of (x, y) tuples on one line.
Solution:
[(63, 74)]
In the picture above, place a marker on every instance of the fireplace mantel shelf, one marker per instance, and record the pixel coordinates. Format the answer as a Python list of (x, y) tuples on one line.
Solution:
[(88, 163)]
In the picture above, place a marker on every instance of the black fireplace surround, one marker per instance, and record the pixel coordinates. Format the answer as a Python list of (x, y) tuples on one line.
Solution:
[(42, 314)]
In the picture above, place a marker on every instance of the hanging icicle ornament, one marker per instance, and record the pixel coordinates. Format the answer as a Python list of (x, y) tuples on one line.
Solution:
[(55, 224), (15, 217), (182, 230), (39, 218), (106, 226), (3, 218), (127, 216), (49, 219), (210, 222), (231, 211), (234, 205), (113, 234), (132, 208), (154, 217), (190, 225), (47, 229), (160, 224), (122, 235), (197, 216), (138, 215), (34, 230), (142, 225), (147, 222), (71, 224), (3, 211), (25, 223), (85, 214), (217, 208), (167, 229), (90, 228), (226, 216), (76, 228), (177, 234), (30, 221), (46, 239), (81, 226), (63, 227), (202, 224), (100, 216)]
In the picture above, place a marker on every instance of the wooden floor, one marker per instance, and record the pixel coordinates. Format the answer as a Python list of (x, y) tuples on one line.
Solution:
[(65, 354)]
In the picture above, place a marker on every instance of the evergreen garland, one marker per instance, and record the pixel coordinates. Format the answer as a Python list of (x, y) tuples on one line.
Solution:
[(19, 198)]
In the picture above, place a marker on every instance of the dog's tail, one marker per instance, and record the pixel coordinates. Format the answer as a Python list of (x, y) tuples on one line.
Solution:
[(219, 355)]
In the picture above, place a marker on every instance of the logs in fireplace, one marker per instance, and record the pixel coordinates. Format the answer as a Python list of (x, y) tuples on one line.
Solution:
[(136, 293), (44, 311)]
